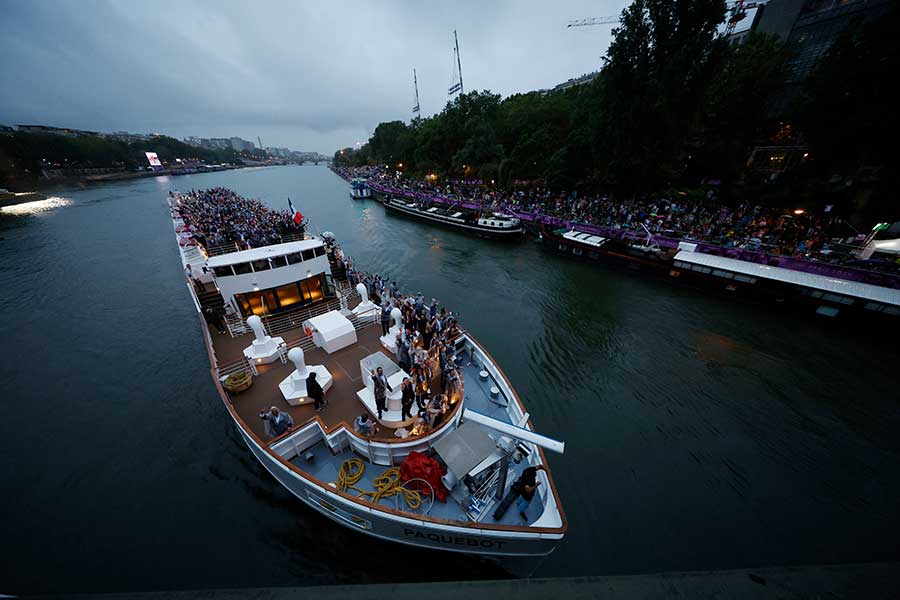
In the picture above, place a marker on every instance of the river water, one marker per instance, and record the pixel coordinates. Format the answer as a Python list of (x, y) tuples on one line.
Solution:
[(700, 434)]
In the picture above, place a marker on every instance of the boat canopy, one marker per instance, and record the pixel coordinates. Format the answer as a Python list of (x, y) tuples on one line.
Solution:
[(853, 289)]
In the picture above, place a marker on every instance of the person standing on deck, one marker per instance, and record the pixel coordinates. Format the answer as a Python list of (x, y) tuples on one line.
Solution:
[(433, 311), (381, 384), (403, 358), (385, 316), (407, 398), (527, 486), (277, 422), (315, 391)]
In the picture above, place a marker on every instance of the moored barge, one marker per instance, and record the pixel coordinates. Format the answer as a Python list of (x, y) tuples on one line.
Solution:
[(824, 293), (490, 224)]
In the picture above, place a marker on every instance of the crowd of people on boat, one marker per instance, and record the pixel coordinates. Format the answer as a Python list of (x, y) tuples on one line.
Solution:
[(794, 233), (220, 217), (424, 349)]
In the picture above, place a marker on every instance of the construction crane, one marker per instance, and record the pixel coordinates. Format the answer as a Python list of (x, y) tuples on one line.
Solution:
[(738, 10), (593, 21)]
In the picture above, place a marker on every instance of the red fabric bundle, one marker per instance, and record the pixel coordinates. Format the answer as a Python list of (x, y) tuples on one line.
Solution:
[(419, 466)]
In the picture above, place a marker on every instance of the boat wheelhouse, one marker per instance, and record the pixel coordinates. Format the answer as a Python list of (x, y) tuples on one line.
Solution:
[(281, 327), (491, 224)]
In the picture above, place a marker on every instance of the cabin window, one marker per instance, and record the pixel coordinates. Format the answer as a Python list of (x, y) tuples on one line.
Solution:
[(241, 268), (257, 303), (288, 295), (261, 265), (562, 246), (745, 279), (278, 261), (223, 271), (320, 250), (311, 289), (577, 251), (295, 258), (593, 255), (720, 273), (892, 310), (309, 254)]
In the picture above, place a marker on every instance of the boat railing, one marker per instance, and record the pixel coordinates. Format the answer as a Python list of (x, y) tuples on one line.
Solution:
[(242, 365), (376, 451), (229, 247), (278, 324)]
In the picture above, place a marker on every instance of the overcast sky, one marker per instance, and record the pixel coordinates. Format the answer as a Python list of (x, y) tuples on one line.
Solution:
[(309, 76)]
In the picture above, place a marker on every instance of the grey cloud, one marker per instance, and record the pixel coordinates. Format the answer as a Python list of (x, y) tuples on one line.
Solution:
[(303, 75)]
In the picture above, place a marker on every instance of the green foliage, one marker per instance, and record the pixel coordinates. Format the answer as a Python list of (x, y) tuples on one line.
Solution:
[(662, 55), (735, 105), (32, 152)]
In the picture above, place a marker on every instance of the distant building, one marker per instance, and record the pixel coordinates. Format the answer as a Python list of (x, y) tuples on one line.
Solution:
[(241, 145), (808, 28), (130, 138), (576, 81), (219, 143), (47, 129)]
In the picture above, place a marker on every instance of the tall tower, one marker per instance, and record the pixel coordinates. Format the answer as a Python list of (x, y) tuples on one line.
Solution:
[(456, 80), (416, 109)]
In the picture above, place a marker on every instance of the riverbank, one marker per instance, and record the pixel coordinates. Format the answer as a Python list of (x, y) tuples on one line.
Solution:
[(871, 581)]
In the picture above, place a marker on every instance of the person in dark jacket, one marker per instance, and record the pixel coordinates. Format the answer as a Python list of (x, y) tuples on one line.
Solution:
[(527, 485), (407, 399), (381, 388), (315, 391)]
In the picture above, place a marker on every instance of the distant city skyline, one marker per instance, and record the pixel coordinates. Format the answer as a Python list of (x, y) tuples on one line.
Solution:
[(316, 78)]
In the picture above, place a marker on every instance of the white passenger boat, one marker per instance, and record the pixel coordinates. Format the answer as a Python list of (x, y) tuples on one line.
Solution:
[(282, 298), (359, 189)]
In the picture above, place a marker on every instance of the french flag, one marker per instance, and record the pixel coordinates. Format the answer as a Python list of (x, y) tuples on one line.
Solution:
[(298, 217)]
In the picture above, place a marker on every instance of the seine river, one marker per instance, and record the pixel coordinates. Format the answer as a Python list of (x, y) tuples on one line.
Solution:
[(699, 434)]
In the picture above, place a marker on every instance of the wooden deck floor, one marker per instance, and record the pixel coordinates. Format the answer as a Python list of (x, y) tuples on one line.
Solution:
[(343, 404)]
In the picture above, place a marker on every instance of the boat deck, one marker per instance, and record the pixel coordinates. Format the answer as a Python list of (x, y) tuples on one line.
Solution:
[(344, 405), (325, 465)]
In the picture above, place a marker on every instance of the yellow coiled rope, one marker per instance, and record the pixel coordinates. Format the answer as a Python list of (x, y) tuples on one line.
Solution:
[(386, 485)]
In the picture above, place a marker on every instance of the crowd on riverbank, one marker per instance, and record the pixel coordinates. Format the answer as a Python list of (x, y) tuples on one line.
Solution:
[(796, 233), (219, 216)]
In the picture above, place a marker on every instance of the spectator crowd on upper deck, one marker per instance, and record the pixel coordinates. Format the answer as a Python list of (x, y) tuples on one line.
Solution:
[(220, 217)]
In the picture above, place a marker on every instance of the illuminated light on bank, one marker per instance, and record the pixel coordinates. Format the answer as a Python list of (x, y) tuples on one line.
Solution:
[(38, 206)]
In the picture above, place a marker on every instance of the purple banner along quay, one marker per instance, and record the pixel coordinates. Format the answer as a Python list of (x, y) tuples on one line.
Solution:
[(888, 280)]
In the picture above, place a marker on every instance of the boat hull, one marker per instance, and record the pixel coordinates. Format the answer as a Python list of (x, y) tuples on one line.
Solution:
[(395, 528), (513, 233)]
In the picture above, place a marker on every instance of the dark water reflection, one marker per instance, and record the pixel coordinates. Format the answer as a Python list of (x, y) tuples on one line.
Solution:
[(700, 435)]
